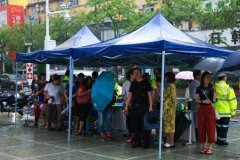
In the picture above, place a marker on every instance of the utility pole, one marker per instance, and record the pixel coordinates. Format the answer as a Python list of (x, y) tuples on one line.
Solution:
[(1, 54), (1, 62)]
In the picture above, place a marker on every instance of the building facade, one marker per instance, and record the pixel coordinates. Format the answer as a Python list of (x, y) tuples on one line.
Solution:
[(11, 15), (36, 8), (14, 2)]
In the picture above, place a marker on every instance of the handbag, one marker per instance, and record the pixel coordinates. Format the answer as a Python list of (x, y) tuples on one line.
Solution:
[(216, 112), (84, 99), (148, 125), (153, 117)]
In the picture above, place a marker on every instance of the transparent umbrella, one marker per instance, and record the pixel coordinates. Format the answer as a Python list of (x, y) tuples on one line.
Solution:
[(211, 64)]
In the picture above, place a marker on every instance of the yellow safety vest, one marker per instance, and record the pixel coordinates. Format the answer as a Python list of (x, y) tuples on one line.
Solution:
[(226, 99), (232, 101), (117, 90), (64, 82), (154, 83)]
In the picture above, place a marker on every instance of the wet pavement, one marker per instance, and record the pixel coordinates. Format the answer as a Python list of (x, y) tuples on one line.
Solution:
[(40, 144)]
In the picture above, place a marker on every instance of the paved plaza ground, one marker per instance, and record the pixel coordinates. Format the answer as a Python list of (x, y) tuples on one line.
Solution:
[(40, 144)]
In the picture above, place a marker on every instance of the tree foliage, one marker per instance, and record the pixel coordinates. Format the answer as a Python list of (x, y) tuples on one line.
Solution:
[(117, 14), (224, 16), (177, 11)]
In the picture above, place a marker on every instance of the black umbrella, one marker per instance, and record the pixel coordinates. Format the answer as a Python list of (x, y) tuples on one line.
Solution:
[(181, 124)]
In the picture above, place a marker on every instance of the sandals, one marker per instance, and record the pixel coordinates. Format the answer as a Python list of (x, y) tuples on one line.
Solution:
[(103, 138), (109, 138), (203, 150), (207, 151)]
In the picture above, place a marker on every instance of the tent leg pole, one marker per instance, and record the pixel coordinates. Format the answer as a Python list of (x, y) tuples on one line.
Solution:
[(70, 98), (16, 91), (161, 106)]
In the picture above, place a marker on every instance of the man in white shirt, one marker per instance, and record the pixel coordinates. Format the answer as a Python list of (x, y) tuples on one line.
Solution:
[(53, 92)]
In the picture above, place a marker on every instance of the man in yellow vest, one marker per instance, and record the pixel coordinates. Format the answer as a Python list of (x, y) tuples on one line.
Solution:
[(225, 105), (157, 75), (65, 79)]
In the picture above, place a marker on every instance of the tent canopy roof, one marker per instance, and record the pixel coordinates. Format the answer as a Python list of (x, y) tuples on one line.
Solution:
[(83, 38), (139, 46), (157, 35), (62, 52)]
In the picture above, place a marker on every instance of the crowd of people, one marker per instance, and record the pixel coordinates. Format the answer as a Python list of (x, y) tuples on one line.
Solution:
[(212, 105)]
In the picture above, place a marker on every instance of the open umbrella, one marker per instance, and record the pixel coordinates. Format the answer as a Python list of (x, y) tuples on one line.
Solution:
[(211, 64), (232, 63), (102, 90), (185, 75)]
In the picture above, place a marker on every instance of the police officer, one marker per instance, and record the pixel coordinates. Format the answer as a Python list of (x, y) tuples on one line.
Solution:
[(225, 105)]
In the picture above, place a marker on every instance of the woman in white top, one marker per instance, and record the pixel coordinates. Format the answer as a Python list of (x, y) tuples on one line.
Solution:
[(125, 90)]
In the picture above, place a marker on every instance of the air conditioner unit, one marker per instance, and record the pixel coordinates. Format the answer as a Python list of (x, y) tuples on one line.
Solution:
[(107, 20), (41, 9), (195, 29), (140, 7), (63, 6)]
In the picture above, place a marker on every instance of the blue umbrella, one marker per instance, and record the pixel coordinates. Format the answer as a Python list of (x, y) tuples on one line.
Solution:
[(102, 90)]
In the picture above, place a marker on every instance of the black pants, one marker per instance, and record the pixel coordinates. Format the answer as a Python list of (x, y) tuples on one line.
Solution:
[(222, 126), (84, 112), (138, 112), (129, 122)]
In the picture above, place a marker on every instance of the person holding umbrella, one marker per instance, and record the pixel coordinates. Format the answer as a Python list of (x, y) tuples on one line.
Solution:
[(140, 97), (103, 97)]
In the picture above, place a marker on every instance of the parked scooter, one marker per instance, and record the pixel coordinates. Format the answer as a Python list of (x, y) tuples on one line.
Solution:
[(28, 111), (7, 100)]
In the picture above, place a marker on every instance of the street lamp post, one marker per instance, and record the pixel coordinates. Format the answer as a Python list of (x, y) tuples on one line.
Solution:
[(48, 43), (1, 54)]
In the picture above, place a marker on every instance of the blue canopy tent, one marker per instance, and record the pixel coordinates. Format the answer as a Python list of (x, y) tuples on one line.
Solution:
[(60, 55), (62, 52), (155, 36), (158, 35), (83, 38)]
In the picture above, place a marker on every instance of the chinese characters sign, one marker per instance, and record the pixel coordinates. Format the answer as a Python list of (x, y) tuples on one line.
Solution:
[(235, 36), (15, 15)]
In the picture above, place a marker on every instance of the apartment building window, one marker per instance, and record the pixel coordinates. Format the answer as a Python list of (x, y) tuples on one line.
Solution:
[(73, 2), (147, 8), (107, 34), (34, 9), (59, 2), (3, 2)]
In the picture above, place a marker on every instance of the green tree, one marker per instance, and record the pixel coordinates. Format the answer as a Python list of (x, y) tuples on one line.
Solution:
[(224, 16), (177, 11), (116, 14), (62, 30)]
